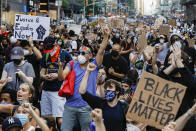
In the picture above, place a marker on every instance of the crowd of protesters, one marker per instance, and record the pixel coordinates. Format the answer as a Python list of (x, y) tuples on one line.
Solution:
[(107, 69)]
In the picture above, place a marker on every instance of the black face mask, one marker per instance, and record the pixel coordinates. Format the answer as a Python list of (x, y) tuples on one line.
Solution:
[(114, 53), (17, 61)]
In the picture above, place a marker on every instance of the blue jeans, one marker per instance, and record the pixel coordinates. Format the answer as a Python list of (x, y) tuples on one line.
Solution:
[(71, 114)]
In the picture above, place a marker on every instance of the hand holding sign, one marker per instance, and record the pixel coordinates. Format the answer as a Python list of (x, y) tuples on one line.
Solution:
[(156, 101)]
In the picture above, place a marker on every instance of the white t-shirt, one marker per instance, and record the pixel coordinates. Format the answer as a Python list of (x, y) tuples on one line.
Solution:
[(74, 45)]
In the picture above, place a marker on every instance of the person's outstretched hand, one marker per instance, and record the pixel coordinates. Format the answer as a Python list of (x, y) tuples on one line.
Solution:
[(170, 127)]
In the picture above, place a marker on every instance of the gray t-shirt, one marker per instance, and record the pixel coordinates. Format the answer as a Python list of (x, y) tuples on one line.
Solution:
[(11, 68)]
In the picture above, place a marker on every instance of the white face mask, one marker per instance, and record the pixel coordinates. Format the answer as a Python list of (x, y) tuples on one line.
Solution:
[(26, 52), (161, 41), (13, 40), (131, 127), (81, 59)]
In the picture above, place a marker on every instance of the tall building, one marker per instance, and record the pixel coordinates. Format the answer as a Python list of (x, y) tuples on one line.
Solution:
[(190, 9), (10, 8)]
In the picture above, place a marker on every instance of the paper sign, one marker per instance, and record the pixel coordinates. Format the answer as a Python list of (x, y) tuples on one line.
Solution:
[(172, 22), (191, 42), (156, 101), (164, 30), (35, 27)]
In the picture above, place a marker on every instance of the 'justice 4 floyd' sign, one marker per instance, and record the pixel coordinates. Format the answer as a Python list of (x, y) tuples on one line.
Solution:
[(36, 27), (156, 101)]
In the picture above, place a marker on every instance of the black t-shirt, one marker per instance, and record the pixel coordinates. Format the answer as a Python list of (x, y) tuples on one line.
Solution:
[(126, 46), (119, 66), (114, 117), (53, 67), (187, 80)]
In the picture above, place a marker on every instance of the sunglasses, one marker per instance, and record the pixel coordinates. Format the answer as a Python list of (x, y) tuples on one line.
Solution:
[(83, 53), (176, 39)]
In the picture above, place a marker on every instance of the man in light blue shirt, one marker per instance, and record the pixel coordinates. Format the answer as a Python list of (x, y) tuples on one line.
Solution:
[(75, 107)]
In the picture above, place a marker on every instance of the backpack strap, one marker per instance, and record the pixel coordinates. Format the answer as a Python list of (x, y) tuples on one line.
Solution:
[(71, 64), (47, 55)]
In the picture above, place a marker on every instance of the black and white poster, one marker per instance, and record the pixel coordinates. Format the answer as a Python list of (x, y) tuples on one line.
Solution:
[(36, 27)]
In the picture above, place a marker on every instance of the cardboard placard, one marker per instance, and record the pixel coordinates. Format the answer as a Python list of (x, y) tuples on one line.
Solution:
[(142, 41), (36, 27), (172, 22), (164, 30), (191, 42), (117, 23), (91, 36), (158, 23), (156, 101)]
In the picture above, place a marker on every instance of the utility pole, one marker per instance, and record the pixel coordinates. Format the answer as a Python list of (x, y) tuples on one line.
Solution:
[(58, 18), (1, 3), (93, 7)]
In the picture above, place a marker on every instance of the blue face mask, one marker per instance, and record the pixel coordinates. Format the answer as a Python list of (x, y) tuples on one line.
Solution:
[(103, 78), (22, 101), (194, 69), (178, 43), (59, 43), (23, 118), (110, 95)]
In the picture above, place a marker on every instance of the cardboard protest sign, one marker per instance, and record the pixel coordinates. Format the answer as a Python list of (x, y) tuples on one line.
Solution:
[(91, 36), (164, 30), (117, 23), (191, 42), (158, 22), (156, 101), (172, 22), (142, 41), (35, 27)]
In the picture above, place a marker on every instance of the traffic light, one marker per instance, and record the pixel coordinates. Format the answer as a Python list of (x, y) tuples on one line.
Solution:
[(30, 5), (43, 6), (86, 2)]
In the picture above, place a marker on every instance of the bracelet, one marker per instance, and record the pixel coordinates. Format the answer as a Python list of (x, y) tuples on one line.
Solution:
[(189, 113)]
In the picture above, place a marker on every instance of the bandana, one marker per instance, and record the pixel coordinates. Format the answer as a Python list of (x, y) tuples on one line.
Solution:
[(56, 55)]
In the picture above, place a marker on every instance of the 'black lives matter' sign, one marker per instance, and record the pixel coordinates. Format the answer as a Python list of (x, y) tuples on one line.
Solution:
[(156, 101), (36, 27)]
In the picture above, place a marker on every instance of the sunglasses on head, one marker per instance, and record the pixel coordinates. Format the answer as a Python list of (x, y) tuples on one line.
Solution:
[(83, 53)]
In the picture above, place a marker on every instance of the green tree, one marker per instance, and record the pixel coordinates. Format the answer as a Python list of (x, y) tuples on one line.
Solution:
[(131, 4), (66, 4)]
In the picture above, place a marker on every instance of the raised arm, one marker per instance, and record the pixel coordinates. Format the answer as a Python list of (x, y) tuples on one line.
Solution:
[(38, 120), (62, 74), (83, 84), (99, 56), (181, 121), (35, 50)]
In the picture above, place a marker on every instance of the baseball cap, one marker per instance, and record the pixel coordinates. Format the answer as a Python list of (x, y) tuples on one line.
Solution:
[(17, 53), (177, 34), (49, 44), (10, 122)]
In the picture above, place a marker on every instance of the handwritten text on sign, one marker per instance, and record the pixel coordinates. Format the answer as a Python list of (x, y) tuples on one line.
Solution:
[(35, 27), (156, 101)]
